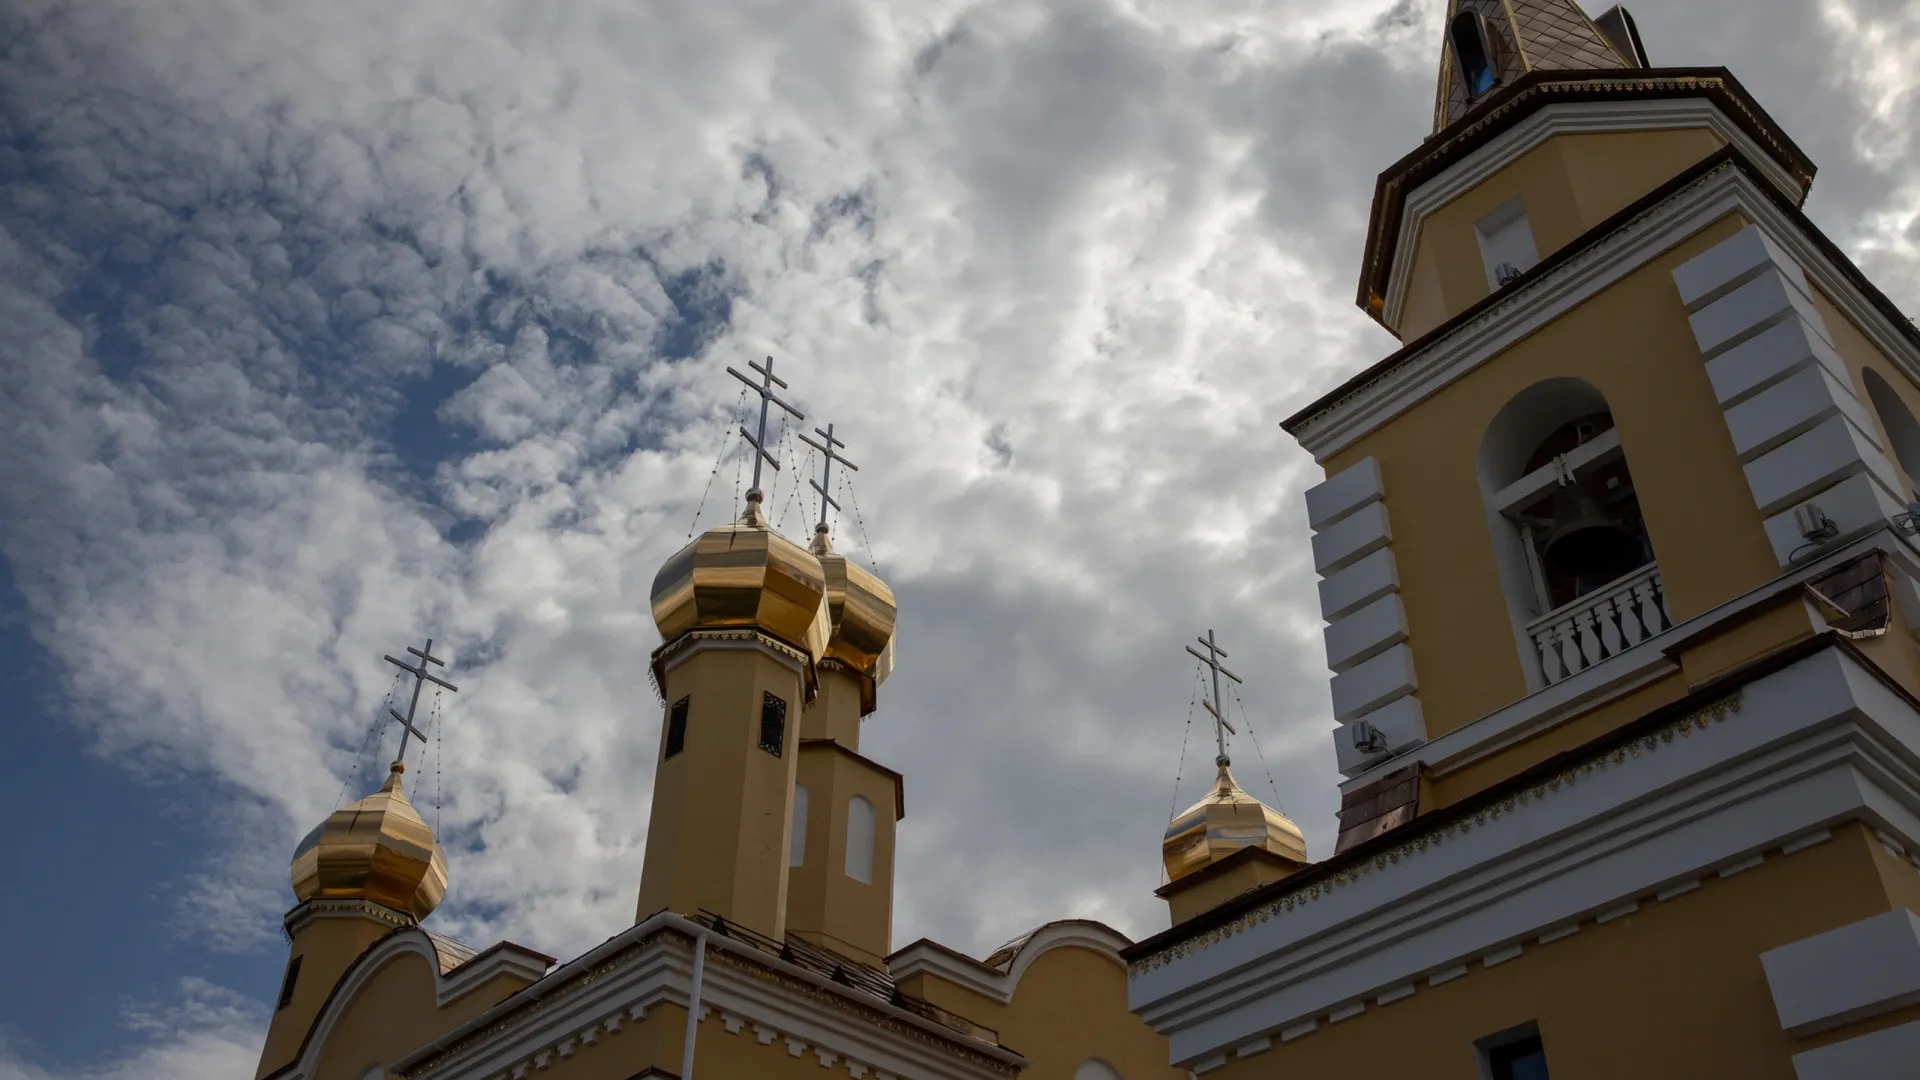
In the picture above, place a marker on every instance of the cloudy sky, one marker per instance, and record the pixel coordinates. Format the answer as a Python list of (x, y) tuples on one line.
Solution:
[(328, 327)]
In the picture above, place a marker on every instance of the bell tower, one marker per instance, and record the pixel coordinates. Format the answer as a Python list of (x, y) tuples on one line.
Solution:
[(1635, 386)]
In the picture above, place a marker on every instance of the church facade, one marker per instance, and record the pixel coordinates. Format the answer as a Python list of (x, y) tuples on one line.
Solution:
[(1618, 572)]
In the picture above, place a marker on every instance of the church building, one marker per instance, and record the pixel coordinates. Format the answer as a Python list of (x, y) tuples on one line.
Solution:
[(1617, 559), (762, 943), (1618, 570)]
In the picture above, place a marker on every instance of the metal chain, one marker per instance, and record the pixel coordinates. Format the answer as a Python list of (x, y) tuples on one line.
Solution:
[(1180, 769), (1256, 749), (379, 717), (873, 557), (726, 440), (806, 466), (437, 759)]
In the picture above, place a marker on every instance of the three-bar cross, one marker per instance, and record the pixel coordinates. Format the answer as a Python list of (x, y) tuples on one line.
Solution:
[(826, 471), (421, 677), (1217, 707), (768, 380)]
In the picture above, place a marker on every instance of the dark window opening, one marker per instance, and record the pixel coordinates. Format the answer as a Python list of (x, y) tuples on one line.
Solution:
[(1470, 48), (1588, 531), (287, 983), (1522, 1059), (677, 727), (773, 724)]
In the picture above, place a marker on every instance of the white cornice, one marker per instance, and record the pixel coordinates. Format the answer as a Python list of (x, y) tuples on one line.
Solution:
[(1564, 118), (616, 984), (1820, 742), (924, 957), (1534, 304)]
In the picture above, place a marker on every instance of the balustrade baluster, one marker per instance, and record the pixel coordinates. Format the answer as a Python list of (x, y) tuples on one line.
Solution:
[(1609, 631), (1652, 610), (1546, 641), (1589, 637), (1569, 641)]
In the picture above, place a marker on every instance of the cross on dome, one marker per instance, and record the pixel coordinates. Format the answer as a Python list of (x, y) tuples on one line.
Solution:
[(1211, 658), (768, 380), (421, 677), (822, 485)]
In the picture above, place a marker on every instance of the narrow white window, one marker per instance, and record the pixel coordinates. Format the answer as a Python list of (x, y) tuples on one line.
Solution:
[(797, 843), (860, 840), (1095, 1069), (1506, 243)]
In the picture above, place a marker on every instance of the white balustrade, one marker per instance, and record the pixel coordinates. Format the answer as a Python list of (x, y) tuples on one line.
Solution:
[(1603, 623)]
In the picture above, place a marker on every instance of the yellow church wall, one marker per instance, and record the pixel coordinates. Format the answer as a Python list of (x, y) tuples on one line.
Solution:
[(835, 712), (1448, 788), (1069, 1006), (1632, 342), (1861, 355), (1708, 1012), (744, 794), (825, 904), (326, 948), (1209, 887), (394, 1014), (1568, 184)]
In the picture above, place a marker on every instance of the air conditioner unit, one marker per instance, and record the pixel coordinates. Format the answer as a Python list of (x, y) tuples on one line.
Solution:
[(1366, 738)]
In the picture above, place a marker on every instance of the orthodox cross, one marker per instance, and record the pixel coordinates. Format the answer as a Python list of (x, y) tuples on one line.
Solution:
[(421, 677), (764, 388), (1217, 707), (826, 470)]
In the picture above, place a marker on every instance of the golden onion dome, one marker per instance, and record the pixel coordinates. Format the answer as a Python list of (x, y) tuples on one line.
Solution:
[(862, 612), (744, 575), (377, 849), (1223, 822)]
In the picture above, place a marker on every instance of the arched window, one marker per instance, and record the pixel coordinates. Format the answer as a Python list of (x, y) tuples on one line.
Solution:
[(797, 843), (1575, 558), (1471, 50), (860, 839), (1903, 432), (1095, 1069)]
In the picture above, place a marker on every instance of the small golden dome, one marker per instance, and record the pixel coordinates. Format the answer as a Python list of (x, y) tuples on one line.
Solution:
[(1223, 822), (376, 849), (862, 612), (744, 575)]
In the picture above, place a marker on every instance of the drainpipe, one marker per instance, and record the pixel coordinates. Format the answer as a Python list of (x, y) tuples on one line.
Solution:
[(693, 1003)]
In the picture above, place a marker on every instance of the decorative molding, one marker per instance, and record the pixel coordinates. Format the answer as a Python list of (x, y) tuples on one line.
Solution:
[(1814, 744), (1532, 304), (994, 984), (1568, 118), (652, 963), (1889, 1052), (1855, 972)]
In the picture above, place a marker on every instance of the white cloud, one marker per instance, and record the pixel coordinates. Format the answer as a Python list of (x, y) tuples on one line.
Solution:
[(1056, 270), (204, 1031)]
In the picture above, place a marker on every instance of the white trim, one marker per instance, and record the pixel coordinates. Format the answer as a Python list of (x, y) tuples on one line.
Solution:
[(1812, 839), (1722, 191), (1854, 972), (691, 646), (1398, 993), (663, 972), (927, 958), (1818, 742), (1501, 956), (1570, 118), (1439, 978), (1887, 1054)]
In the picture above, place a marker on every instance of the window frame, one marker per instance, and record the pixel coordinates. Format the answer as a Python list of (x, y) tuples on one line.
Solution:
[(773, 723), (676, 734)]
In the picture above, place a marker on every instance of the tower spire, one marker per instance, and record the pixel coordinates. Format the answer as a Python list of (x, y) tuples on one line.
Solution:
[(768, 380), (1491, 43)]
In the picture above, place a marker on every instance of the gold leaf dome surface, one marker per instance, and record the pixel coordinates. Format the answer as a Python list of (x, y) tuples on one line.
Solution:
[(376, 849), (1223, 822), (744, 575), (861, 610)]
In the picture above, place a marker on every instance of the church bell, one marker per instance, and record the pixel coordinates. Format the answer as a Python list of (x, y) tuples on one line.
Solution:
[(1588, 544)]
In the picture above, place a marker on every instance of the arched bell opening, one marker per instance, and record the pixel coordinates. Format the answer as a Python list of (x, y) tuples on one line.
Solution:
[(1474, 51), (1576, 559)]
